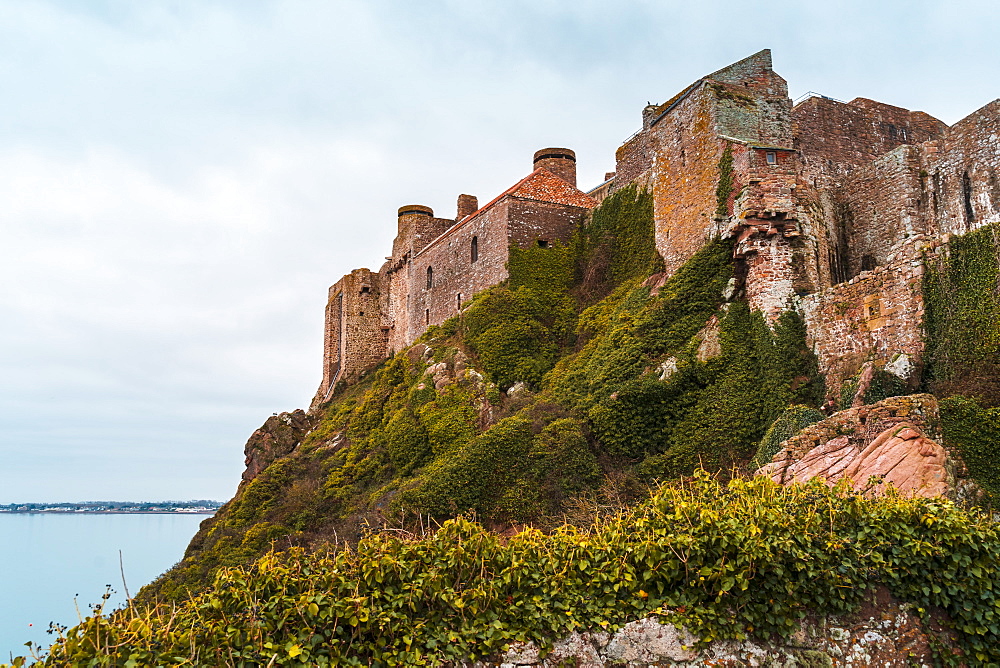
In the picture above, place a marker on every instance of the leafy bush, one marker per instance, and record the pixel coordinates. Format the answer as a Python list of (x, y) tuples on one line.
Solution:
[(744, 559)]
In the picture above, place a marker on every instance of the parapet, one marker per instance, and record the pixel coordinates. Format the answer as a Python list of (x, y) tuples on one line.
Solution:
[(418, 209)]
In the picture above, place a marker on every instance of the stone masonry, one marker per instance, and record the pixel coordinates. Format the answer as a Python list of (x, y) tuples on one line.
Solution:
[(831, 204)]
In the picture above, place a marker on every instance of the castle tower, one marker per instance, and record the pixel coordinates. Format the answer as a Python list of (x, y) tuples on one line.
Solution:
[(558, 161)]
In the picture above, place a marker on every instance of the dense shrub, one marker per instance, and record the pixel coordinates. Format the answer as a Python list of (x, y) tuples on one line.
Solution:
[(792, 421), (747, 558)]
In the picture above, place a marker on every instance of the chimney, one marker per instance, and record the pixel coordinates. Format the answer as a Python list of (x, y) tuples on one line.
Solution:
[(558, 161), (467, 205)]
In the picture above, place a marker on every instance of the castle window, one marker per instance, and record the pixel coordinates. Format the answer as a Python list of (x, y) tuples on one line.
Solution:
[(543, 243), (365, 290), (772, 158), (361, 312), (458, 298), (427, 315), (475, 248), (430, 278)]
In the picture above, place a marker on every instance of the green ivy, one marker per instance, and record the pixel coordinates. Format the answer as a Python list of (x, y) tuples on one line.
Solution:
[(962, 319), (974, 432), (518, 334), (618, 242)]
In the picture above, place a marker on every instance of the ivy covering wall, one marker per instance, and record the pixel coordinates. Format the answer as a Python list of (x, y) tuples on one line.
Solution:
[(962, 296)]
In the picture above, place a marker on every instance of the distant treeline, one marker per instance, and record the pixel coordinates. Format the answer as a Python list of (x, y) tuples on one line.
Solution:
[(197, 506)]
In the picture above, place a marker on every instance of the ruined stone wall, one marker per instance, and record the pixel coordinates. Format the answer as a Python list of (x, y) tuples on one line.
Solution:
[(858, 187), (882, 205), (874, 316), (962, 173), (769, 240), (836, 138), (355, 337)]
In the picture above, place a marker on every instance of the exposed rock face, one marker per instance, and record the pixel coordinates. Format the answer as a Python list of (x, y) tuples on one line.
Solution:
[(277, 437), (896, 441), (885, 633)]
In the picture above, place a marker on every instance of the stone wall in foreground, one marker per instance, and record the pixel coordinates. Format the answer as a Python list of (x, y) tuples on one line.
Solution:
[(883, 633)]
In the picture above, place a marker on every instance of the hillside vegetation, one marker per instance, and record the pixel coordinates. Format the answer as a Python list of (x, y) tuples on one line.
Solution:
[(574, 386), (747, 558)]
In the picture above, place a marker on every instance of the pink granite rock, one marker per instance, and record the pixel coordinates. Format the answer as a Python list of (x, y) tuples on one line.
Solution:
[(901, 456)]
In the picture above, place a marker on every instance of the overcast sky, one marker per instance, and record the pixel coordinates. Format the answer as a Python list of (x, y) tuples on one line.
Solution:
[(180, 182)]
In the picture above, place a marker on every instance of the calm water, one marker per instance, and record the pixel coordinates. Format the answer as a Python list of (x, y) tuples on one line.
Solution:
[(46, 560)]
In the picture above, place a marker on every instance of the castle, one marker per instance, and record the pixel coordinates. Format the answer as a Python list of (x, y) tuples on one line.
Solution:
[(834, 208)]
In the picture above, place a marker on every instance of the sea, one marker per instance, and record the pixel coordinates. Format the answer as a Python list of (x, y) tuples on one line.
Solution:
[(53, 565)]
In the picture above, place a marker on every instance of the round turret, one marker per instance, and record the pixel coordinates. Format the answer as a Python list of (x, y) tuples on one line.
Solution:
[(415, 208), (558, 161)]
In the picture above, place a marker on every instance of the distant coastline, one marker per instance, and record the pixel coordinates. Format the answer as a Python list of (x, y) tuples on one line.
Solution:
[(201, 506)]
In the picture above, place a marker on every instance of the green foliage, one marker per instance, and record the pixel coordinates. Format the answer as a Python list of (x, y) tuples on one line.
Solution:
[(724, 189), (618, 243), (743, 390), (710, 413), (975, 432), (882, 386), (962, 297), (629, 330), (548, 272), (797, 362), (517, 335), (792, 421), (474, 477), (728, 561)]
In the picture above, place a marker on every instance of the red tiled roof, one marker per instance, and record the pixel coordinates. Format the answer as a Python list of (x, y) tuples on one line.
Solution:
[(545, 186), (540, 185)]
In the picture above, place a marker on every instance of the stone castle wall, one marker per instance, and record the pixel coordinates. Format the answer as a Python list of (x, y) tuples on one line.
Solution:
[(355, 336), (455, 276), (875, 316), (962, 173), (836, 138)]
